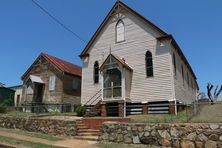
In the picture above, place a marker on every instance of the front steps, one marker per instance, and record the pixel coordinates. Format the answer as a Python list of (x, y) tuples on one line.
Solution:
[(85, 133)]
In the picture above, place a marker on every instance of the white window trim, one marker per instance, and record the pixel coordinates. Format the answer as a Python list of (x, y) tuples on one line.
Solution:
[(52, 82), (120, 31)]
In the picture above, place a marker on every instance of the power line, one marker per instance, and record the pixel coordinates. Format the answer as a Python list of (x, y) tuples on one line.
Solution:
[(59, 22)]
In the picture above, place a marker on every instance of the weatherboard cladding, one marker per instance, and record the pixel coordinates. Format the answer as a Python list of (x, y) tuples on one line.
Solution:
[(164, 35), (141, 35), (116, 6), (183, 92), (139, 39)]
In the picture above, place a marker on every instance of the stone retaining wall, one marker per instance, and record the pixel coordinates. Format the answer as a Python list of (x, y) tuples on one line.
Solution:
[(45, 126), (166, 135)]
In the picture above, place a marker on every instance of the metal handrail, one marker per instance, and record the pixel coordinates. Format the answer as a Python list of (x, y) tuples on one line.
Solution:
[(93, 97), (96, 99)]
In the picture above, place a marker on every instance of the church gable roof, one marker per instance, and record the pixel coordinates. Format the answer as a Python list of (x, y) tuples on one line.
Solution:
[(116, 5), (118, 59)]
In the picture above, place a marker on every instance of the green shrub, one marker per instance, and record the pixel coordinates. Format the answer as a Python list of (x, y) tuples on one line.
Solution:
[(3, 108), (8, 102), (80, 110)]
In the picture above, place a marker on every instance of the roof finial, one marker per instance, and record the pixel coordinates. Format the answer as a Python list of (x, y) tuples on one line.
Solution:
[(110, 50)]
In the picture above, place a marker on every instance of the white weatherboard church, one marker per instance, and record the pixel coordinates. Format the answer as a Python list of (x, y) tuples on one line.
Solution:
[(130, 66)]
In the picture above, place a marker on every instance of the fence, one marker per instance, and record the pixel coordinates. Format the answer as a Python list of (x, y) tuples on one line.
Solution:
[(38, 108), (157, 113), (201, 112)]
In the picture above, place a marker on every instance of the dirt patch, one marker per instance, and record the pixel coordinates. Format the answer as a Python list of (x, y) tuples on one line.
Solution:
[(4, 145), (69, 143)]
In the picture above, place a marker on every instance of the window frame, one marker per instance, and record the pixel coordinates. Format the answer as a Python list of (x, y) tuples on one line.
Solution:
[(96, 66), (188, 80), (182, 71), (146, 64), (124, 39), (52, 80), (174, 66)]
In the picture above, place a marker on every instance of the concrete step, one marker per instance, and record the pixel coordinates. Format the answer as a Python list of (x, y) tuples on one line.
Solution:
[(81, 124), (88, 134), (82, 127), (88, 130), (90, 138)]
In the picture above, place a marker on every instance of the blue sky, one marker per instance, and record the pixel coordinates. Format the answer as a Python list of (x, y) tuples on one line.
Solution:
[(25, 32)]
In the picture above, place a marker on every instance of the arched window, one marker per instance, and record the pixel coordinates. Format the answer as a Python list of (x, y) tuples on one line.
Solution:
[(149, 64), (175, 65), (120, 31), (188, 80), (182, 73), (96, 72)]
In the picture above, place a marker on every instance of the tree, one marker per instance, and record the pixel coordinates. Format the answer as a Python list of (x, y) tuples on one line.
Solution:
[(213, 98)]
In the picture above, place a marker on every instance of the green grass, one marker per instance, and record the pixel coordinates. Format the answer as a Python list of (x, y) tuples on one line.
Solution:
[(17, 114), (209, 114), (28, 114), (32, 134), (27, 144), (159, 118)]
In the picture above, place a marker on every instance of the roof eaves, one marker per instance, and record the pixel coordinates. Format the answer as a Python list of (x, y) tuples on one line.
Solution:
[(177, 47), (84, 54)]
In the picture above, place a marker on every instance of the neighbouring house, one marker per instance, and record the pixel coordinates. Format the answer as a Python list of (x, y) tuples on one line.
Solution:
[(18, 94), (130, 66), (1, 84), (6, 94), (52, 81)]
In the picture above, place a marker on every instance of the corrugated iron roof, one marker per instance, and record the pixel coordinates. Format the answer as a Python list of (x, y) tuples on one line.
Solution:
[(36, 79), (64, 66)]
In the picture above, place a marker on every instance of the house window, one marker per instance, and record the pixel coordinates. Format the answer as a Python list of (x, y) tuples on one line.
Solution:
[(74, 84), (188, 80), (120, 31), (52, 80), (182, 73), (112, 85), (149, 64), (175, 66), (96, 72), (191, 83)]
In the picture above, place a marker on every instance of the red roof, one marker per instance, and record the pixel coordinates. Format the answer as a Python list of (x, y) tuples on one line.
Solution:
[(64, 66)]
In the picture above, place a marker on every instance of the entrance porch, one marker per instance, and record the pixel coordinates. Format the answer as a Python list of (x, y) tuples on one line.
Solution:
[(116, 76)]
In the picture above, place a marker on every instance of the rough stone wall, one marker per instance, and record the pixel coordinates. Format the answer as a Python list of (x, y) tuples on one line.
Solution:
[(45, 126), (166, 135), (64, 91), (44, 71), (72, 94)]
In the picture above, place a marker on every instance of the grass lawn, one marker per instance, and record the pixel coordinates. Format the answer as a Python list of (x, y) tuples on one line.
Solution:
[(27, 144), (28, 114), (159, 118), (32, 134), (209, 114)]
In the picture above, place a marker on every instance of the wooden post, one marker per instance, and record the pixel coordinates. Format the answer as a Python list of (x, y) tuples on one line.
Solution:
[(172, 107), (103, 110), (121, 109), (145, 108)]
